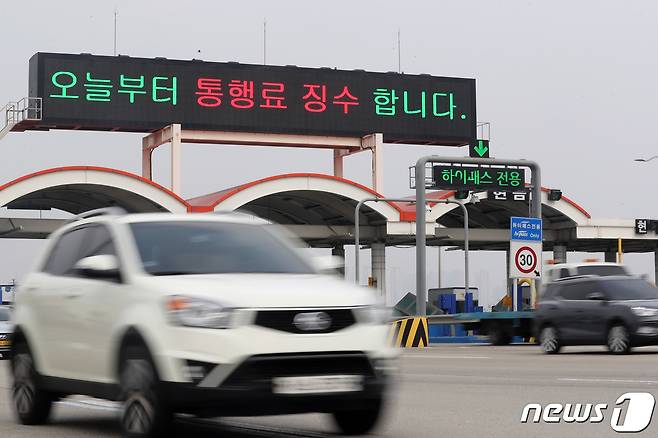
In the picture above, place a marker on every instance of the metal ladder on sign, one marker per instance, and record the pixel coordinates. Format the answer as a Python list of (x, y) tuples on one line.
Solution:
[(26, 109)]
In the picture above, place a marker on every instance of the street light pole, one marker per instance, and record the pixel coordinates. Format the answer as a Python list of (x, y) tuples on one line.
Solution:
[(465, 212), (357, 235)]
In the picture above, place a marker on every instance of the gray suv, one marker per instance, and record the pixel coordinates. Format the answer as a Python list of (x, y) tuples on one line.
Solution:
[(618, 311)]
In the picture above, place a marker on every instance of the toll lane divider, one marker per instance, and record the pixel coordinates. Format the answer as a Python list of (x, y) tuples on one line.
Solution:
[(409, 333)]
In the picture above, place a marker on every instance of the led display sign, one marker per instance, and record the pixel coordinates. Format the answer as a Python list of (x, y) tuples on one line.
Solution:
[(137, 94), (453, 177)]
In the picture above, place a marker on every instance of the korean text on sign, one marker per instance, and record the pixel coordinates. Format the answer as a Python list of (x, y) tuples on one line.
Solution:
[(457, 177), (158, 89)]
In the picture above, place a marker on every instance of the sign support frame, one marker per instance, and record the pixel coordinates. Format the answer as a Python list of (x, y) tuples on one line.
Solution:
[(421, 237), (342, 147)]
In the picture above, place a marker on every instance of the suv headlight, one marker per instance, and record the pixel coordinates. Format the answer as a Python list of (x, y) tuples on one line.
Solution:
[(197, 312), (644, 311), (373, 314)]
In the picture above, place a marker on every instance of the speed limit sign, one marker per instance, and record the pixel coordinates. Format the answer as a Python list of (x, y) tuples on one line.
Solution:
[(525, 259)]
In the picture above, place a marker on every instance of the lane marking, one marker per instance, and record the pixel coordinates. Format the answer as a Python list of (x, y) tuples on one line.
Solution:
[(264, 430), (92, 404), (572, 379), (443, 356), (236, 426), (473, 378)]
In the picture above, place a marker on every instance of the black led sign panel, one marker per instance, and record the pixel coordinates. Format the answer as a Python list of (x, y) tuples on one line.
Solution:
[(138, 94), (453, 177)]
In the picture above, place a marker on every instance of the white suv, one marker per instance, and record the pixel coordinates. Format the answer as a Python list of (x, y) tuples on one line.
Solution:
[(199, 314)]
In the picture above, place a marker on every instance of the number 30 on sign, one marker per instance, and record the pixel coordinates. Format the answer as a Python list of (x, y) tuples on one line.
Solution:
[(525, 259)]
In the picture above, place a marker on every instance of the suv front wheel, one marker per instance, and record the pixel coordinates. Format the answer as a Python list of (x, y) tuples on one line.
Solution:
[(619, 340), (549, 340), (32, 404), (360, 421), (145, 414)]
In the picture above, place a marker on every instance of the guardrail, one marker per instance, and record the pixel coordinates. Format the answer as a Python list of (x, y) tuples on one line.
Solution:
[(438, 319), (465, 318)]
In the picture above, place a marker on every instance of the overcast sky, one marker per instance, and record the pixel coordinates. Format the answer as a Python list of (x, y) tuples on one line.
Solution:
[(568, 84)]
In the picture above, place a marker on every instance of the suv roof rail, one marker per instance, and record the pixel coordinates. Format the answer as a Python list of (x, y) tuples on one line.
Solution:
[(106, 211), (576, 277)]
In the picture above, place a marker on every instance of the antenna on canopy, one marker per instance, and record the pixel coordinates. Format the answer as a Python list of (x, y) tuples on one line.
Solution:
[(264, 41), (399, 53)]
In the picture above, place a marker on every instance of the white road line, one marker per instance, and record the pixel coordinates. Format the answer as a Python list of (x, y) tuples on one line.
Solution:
[(473, 378), (647, 382), (470, 377), (94, 405), (262, 430), (443, 356)]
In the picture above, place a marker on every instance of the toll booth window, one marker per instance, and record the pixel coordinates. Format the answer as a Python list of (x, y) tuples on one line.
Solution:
[(179, 248), (602, 271)]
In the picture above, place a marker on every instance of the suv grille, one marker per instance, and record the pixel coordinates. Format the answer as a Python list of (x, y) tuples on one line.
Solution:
[(265, 367), (284, 320)]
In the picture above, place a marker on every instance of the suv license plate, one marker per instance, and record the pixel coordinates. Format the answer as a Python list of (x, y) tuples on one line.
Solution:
[(317, 384)]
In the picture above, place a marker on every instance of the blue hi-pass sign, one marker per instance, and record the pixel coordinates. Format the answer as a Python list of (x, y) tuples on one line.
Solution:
[(528, 229)]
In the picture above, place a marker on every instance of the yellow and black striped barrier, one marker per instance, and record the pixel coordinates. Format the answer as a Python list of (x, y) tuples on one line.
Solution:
[(409, 333)]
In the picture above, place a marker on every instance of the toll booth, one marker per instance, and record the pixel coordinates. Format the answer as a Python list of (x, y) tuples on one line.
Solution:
[(454, 299), (7, 292)]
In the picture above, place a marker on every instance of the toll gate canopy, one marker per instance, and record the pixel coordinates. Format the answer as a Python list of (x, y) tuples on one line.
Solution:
[(347, 111), (319, 208)]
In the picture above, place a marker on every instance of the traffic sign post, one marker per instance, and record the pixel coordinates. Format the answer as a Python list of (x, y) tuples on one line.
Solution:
[(525, 259), (525, 251), (525, 247)]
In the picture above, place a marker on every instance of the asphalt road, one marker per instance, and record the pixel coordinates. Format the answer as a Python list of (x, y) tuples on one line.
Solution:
[(449, 391)]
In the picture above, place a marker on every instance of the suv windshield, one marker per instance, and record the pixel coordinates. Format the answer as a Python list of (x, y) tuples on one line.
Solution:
[(630, 289), (178, 248)]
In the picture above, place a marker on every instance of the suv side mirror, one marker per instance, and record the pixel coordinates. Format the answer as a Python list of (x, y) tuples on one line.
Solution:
[(328, 264), (99, 266), (596, 296)]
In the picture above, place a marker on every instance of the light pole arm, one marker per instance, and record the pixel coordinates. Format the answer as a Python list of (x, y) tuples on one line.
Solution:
[(357, 236), (646, 160)]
